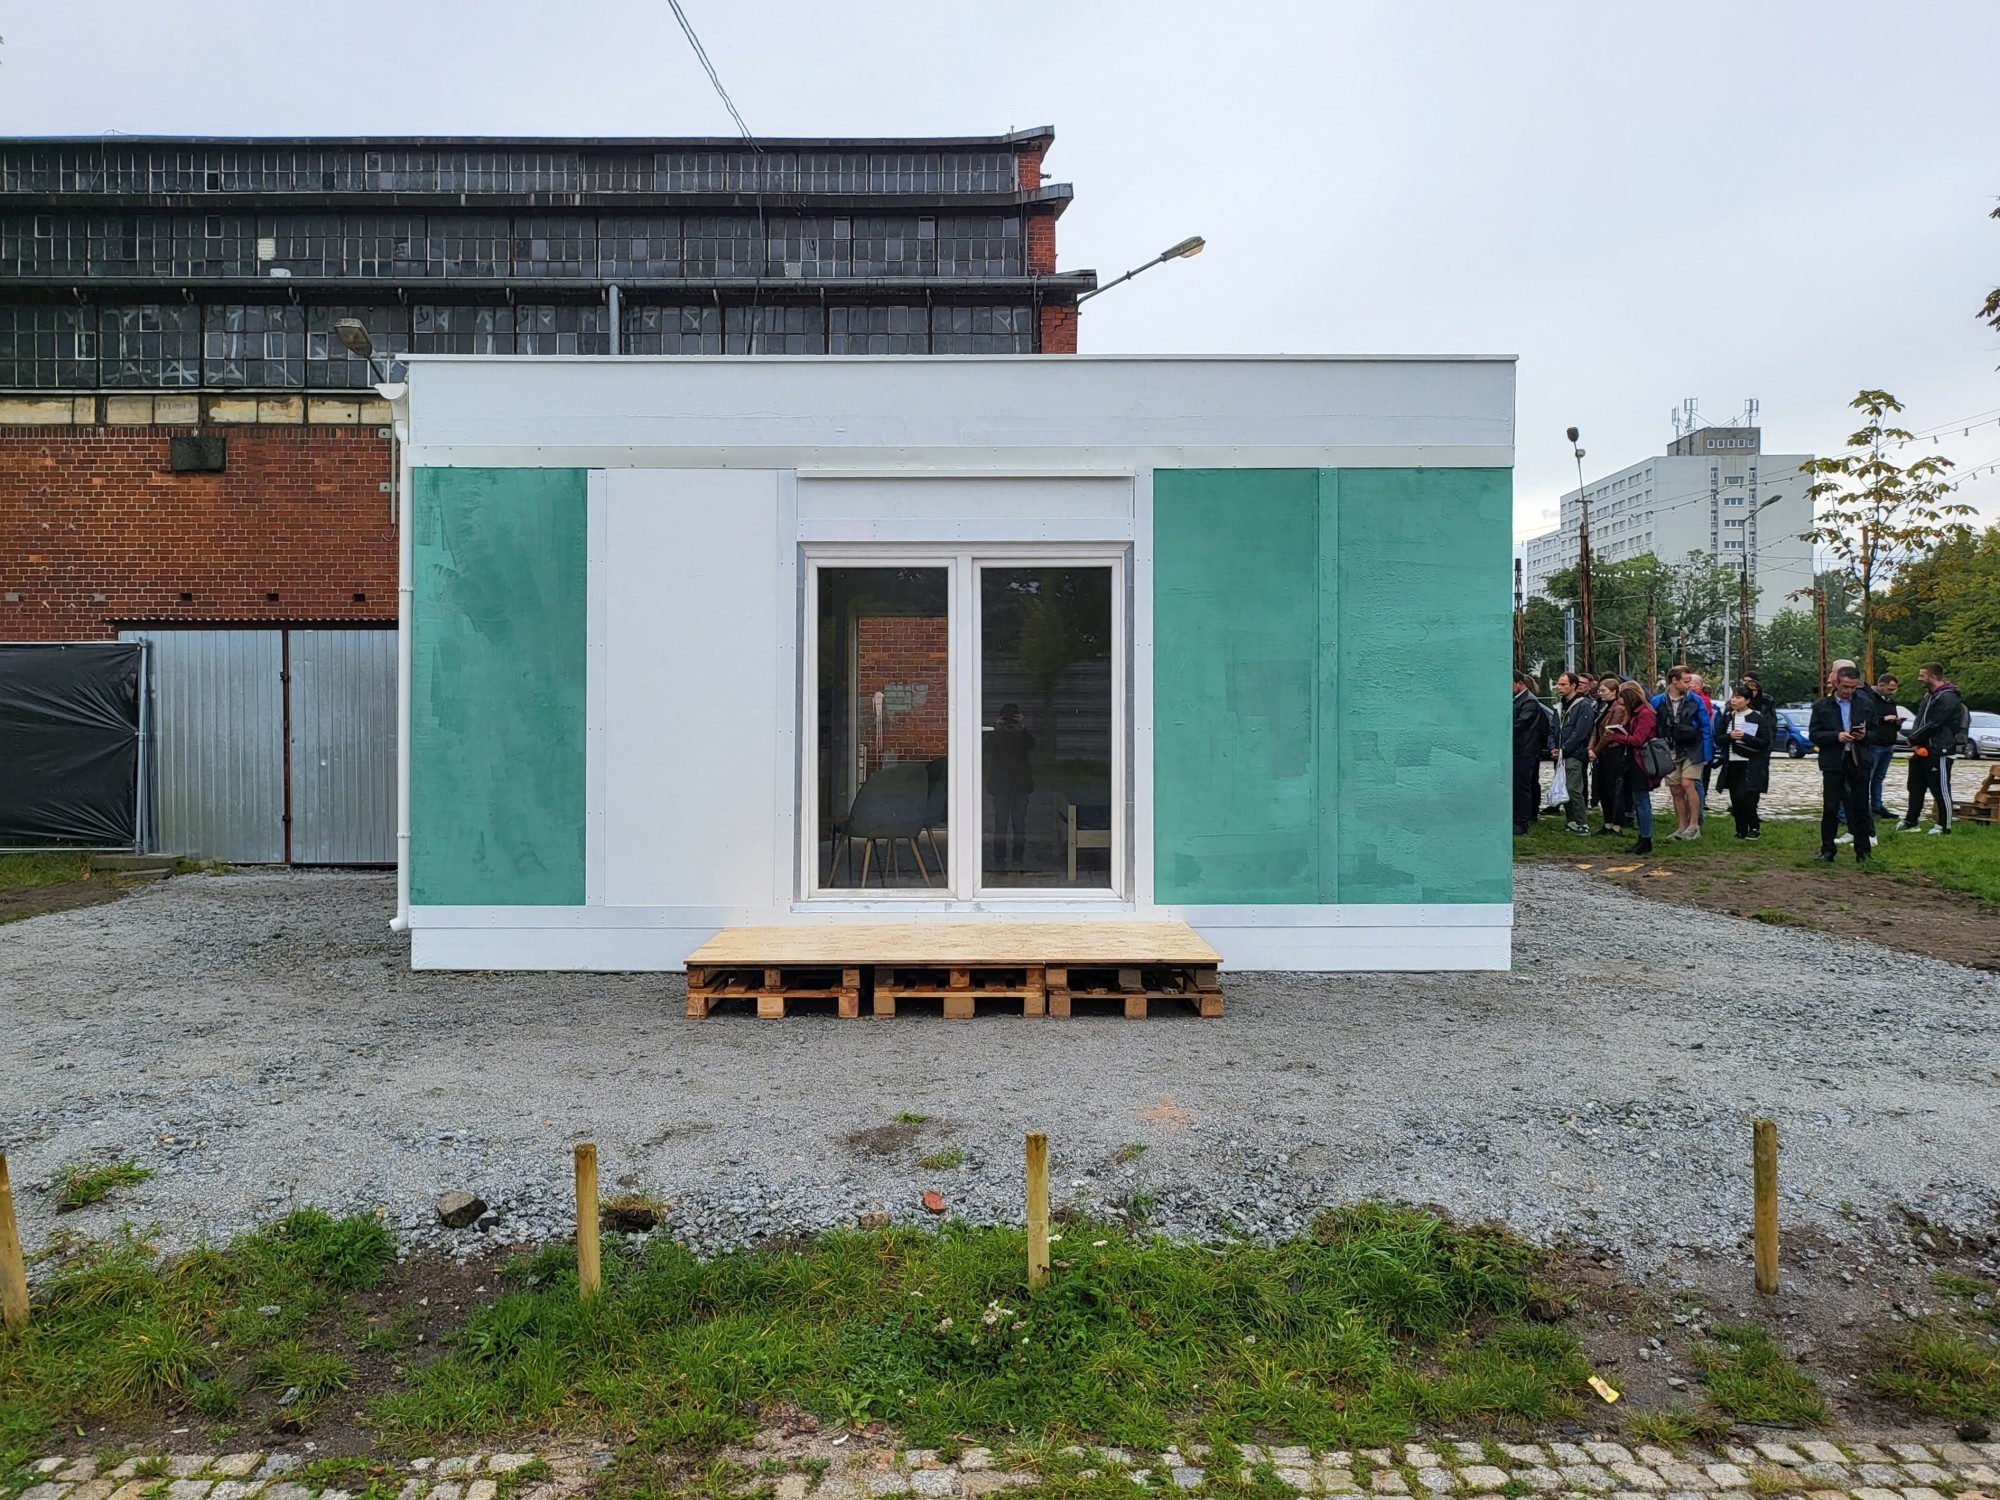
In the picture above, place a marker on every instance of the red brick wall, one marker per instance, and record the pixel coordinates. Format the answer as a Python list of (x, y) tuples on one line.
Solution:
[(1058, 330), (905, 658), (1042, 244), (85, 511), (1028, 170)]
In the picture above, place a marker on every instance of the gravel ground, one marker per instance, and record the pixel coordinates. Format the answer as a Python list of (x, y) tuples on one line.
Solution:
[(258, 1040)]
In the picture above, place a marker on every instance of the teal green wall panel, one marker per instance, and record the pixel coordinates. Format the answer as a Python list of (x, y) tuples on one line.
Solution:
[(1331, 650), (497, 687), (1425, 652), (1235, 632)]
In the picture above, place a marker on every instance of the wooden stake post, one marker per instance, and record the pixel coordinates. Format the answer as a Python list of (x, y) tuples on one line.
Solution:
[(1038, 1211), (1764, 1153), (589, 1276), (13, 1274)]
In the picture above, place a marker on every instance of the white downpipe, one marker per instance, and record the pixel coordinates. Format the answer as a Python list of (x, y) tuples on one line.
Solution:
[(405, 588), (617, 330)]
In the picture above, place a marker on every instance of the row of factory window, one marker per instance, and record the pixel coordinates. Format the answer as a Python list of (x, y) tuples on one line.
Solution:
[(308, 169), (283, 346), (492, 246)]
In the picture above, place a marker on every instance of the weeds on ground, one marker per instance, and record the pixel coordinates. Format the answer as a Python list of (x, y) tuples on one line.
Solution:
[(55, 867), (1750, 1378), (118, 1332), (79, 1187), (1131, 1151), (1939, 1368), (942, 1161), (910, 1117), (1378, 1321), (1677, 1426)]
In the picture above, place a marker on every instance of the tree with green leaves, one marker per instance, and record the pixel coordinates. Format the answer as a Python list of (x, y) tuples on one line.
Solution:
[(1873, 514), (1962, 602)]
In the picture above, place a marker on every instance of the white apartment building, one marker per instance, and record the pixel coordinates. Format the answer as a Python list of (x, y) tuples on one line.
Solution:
[(1714, 491)]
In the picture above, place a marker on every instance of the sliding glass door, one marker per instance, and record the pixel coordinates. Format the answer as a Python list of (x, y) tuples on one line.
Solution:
[(1006, 665)]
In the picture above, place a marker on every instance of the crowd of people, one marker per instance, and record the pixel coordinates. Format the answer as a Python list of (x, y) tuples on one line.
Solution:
[(1612, 745)]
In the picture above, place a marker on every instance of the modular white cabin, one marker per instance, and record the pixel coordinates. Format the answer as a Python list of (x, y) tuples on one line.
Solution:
[(692, 644)]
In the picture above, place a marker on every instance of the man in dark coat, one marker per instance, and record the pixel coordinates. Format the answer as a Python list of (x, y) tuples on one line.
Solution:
[(1840, 730), (1534, 738), (1939, 725), (1579, 718)]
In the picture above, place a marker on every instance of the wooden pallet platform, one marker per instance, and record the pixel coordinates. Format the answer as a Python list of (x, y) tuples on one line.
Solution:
[(1136, 987), (770, 987), (1985, 804), (1038, 966), (961, 988)]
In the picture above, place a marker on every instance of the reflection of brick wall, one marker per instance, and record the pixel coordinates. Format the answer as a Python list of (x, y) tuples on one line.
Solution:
[(904, 658)]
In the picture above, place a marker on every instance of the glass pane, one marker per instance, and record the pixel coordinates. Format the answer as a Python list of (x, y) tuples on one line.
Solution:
[(884, 727), (1045, 726)]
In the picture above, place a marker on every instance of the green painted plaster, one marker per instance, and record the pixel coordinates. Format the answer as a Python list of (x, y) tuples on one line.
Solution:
[(1326, 727), (497, 687), (1235, 631), (1424, 650)]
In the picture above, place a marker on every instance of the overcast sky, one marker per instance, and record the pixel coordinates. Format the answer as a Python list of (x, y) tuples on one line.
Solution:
[(1780, 200)]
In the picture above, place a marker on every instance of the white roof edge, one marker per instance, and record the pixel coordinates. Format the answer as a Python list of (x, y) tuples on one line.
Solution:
[(932, 359)]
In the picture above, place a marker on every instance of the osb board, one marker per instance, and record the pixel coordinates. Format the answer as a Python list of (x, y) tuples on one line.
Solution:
[(942, 943)]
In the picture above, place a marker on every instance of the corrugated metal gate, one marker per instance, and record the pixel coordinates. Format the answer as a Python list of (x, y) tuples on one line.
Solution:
[(275, 746)]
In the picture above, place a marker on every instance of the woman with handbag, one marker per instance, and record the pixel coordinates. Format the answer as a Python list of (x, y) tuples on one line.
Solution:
[(1633, 736)]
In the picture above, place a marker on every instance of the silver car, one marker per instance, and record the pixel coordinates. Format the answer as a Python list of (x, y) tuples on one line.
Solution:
[(1983, 738)]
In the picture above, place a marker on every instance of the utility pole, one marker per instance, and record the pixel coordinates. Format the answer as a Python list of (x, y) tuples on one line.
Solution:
[(1819, 624), (1569, 639), (1652, 642), (1743, 615), (1589, 633)]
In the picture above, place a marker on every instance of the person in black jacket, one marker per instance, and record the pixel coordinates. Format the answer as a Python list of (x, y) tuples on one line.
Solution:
[(1579, 718), (1743, 739), (1940, 723), (1534, 738), (1840, 729)]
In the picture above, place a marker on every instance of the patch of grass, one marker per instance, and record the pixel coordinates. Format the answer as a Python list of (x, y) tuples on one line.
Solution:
[(1379, 1321), (1769, 1479), (942, 1161), (1777, 916), (1129, 1152), (1951, 1284), (200, 867), (79, 1187), (1750, 1378), (1677, 1426), (910, 1117), (118, 1333), (1934, 1367), (55, 867), (1967, 861)]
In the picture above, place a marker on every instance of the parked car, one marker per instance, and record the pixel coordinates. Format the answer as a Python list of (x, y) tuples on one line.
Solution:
[(1983, 738), (1792, 723)]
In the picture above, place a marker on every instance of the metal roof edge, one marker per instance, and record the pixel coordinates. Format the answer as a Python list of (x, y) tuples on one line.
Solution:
[(1040, 133)]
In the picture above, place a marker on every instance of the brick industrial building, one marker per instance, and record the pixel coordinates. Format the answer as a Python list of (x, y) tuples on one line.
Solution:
[(155, 292)]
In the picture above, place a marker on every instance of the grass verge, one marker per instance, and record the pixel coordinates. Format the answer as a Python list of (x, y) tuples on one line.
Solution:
[(1947, 1365), (79, 1187), (1749, 1378), (19, 871), (1967, 861), (1375, 1323)]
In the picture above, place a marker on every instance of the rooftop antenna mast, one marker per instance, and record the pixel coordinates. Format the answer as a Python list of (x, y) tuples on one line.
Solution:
[(1750, 410)]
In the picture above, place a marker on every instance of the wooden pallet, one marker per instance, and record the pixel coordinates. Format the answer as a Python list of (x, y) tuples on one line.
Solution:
[(771, 987), (1985, 804), (961, 987), (1136, 987), (1039, 966)]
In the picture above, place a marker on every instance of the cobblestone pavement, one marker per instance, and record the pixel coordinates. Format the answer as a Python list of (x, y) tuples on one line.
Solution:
[(825, 1468)]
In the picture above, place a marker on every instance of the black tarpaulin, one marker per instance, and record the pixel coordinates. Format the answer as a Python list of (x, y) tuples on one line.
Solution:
[(69, 743)]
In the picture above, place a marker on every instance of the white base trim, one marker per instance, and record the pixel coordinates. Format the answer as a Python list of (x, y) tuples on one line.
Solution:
[(1295, 939)]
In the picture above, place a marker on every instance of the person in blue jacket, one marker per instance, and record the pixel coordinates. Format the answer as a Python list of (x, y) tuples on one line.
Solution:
[(1689, 730)]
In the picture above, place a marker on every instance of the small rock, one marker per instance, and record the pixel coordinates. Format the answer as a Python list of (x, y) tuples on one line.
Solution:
[(875, 1220), (1186, 1478), (456, 1210), (269, 1310), (291, 1395)]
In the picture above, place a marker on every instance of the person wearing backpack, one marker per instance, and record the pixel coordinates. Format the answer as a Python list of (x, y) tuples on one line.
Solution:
[(1685, 725), (1942, 720)]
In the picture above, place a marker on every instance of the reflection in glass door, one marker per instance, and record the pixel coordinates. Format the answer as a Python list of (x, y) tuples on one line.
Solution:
[(1046, 727), (884, 727)]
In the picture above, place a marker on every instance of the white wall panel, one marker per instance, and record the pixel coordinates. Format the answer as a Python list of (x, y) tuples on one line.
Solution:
[(692, 620), (962, 498)]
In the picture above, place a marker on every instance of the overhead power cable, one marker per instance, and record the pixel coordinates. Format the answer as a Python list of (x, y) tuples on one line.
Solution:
[(701, 56)]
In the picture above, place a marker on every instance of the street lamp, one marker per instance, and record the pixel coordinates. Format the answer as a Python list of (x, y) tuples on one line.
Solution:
[(1194, 244), (1588, 642), (353, 335)]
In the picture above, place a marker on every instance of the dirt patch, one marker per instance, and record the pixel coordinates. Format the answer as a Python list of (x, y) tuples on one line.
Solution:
[(882, 1140), (1896, 912), (18, 903)]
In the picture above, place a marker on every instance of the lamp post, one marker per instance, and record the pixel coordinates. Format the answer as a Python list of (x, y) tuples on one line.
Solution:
[(1743, 588), (353, 335), (1194, 244), (1588, 633)]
